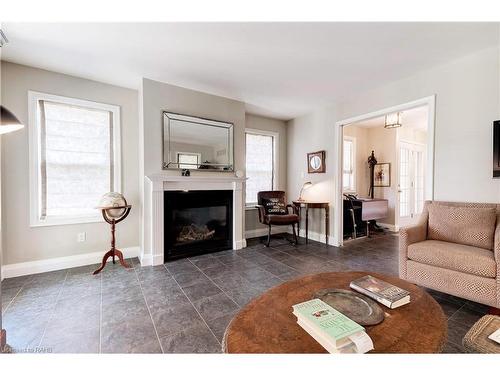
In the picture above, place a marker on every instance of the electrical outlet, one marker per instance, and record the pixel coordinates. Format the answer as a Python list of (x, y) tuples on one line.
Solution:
[(81, 237)]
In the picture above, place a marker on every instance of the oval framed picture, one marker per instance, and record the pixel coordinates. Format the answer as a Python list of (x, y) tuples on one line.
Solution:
[(316, 162)]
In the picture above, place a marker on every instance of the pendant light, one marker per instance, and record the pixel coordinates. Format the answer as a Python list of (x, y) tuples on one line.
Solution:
[(393, 120)]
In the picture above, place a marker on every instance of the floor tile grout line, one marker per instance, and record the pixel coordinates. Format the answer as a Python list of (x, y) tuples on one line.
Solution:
[(192, 304), (213, 282), (19, 291), (149, 310), (100, 315), (257, 265), (53, 309), (12, 300)]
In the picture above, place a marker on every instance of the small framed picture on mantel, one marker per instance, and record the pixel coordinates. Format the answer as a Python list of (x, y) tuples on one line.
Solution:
[(316, 162)]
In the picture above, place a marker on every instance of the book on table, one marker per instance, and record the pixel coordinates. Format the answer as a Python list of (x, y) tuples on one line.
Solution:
[(332, 329), (387, 294)]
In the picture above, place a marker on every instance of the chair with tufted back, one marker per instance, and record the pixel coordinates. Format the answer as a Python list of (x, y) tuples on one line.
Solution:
[(273, 210)]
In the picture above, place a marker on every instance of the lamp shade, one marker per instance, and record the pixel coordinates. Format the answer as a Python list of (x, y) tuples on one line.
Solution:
[(8, 122)]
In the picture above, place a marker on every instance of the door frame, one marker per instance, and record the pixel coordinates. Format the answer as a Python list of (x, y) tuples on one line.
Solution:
[(430, 102)]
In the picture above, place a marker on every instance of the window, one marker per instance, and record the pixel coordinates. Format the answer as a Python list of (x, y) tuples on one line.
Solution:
[(349, 170), (261, 171), (74, 158), (188, 160)]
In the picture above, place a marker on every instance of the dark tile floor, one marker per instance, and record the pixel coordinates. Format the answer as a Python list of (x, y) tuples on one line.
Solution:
[(186, 305)]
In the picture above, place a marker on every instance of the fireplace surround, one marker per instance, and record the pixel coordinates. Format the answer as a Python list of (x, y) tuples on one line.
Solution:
[(153, 249)]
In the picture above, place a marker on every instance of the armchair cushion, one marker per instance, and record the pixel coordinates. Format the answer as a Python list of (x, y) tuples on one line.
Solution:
[(463, 225), (453, 256), (282, 219)]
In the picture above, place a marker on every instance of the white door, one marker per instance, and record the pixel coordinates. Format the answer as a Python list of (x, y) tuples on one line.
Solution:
[(411, 182)]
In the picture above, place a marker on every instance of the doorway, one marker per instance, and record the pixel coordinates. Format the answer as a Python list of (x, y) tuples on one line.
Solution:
[(405, 165)]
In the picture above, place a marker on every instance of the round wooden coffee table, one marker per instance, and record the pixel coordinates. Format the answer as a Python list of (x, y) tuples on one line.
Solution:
[(267, 325)]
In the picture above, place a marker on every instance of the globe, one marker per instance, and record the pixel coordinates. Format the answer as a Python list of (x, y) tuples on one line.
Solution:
[(110, 200)]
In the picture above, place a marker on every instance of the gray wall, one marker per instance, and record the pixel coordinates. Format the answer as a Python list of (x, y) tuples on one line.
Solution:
[(21, 243), (268, 124)]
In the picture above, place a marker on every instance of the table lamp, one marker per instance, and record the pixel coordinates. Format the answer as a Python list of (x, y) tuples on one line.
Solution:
[(306, 186)]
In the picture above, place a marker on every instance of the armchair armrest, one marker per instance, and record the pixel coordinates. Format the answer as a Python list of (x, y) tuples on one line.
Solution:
[(294, 208), (496, 254), (408, 236), (262, 213)]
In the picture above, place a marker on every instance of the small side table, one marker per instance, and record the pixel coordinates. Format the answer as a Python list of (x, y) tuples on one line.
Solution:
[(307, 205)]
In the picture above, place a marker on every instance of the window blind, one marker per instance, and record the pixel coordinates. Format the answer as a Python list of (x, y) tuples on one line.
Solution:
[(259, 165), (76, 158)]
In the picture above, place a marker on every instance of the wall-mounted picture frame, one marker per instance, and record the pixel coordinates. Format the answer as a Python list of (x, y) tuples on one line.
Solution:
[(382, 175), (316, 162)]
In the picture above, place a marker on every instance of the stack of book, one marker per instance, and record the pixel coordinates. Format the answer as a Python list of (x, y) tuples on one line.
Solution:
[(332, 329), (381, 291)]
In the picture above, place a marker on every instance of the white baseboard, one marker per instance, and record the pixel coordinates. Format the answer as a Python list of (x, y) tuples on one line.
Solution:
[(315, 236), (240, 244), (390, 227), (259, 232), (54, 264), (146, 259)]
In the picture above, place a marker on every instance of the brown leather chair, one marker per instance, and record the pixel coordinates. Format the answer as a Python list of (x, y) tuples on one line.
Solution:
[(273, 210)]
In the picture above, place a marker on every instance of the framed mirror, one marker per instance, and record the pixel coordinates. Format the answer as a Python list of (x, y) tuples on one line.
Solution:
[(316, 162), (196, 143)]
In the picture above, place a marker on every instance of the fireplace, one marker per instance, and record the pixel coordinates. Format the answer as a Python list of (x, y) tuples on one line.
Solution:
[(197, 222)]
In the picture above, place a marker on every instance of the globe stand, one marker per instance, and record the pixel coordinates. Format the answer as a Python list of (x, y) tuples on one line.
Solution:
[(114, 251)]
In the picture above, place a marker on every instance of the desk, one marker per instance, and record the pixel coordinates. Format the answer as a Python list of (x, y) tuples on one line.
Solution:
[(307, 205), (370, 209)]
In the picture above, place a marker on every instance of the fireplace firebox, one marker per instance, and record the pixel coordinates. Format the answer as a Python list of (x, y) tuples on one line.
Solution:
[(197, 222)]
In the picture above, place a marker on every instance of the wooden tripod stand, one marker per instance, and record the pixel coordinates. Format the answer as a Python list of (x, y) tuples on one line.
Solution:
[(114, 251)]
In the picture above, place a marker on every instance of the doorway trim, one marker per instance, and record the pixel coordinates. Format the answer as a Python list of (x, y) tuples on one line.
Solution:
[(430, 102)]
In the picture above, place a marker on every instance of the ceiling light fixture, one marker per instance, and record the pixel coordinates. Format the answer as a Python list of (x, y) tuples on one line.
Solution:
[(8, 122), (393, 120), (3, 39)]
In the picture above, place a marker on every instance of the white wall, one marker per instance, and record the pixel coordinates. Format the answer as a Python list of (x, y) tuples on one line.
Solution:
[(252, 225), (156, 97), (313, 132), (467, 103), (21, 243)]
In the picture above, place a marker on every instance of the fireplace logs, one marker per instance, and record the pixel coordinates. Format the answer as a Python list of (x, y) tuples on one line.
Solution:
[(195, 233)]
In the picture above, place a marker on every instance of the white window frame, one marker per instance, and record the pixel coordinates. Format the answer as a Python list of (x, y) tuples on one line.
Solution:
[(276, 157), (353, 163), (35, 157)]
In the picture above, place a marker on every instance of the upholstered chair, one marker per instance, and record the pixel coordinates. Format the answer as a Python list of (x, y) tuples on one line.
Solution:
[(455, 249), (273, 210)]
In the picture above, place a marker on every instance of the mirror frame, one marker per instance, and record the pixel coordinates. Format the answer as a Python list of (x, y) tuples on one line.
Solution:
[(170, 165)]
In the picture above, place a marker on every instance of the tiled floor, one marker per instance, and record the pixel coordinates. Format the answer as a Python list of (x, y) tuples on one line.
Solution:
[(185, 306)]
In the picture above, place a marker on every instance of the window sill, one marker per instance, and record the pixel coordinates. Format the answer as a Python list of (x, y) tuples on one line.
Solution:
[(250, 207), (66, 221)]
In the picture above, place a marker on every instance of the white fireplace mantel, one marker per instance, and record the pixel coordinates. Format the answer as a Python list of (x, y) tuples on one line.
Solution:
[(158, 183)]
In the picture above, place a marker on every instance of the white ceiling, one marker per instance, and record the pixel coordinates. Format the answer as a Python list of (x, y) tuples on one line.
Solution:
[(281, 70), (415, 118)]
